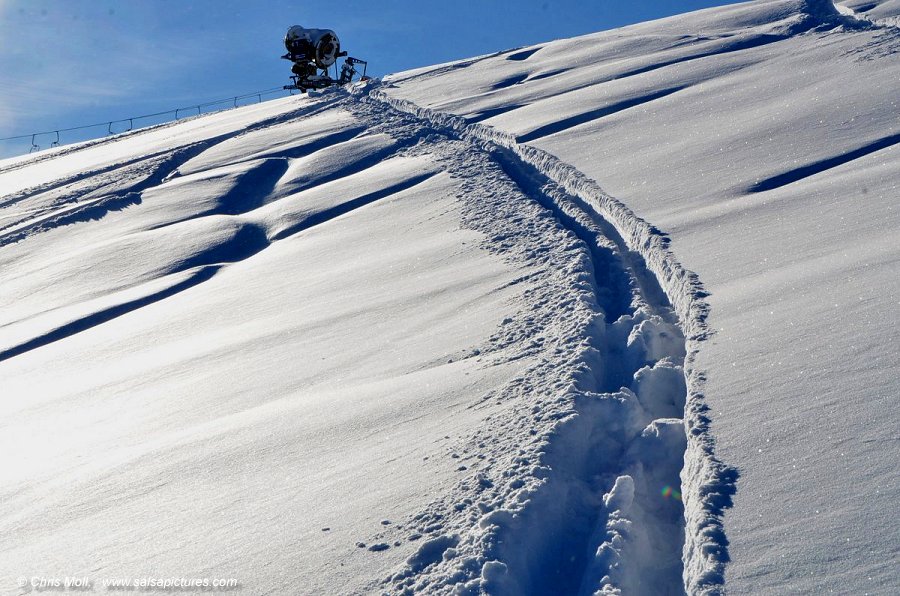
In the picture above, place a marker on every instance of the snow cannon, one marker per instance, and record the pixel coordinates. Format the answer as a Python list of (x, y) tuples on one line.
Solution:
[(320, 46), (313, 52)]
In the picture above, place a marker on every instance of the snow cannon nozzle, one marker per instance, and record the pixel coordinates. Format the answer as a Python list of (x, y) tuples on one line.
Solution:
[(313, 52)]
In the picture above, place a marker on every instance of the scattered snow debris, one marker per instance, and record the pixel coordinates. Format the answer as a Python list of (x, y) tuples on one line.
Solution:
[(430, 552), (495, 578), (484, 481)]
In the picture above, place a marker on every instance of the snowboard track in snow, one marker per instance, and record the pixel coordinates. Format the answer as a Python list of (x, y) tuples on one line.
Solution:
[(659, 287)]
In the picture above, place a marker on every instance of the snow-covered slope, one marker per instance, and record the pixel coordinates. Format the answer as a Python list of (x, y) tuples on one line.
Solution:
[(399, 339), (312, 346), (763, 138)]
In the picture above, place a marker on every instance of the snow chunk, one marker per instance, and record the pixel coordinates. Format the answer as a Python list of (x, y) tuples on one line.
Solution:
[(431, 552), (661, 388), (654, 339), (620, 497)]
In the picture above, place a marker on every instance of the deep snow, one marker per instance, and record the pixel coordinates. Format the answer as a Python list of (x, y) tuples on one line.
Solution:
[(399, 338)]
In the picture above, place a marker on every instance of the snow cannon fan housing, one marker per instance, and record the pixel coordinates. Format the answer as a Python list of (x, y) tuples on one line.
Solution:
[(312, 52), (320, 46)]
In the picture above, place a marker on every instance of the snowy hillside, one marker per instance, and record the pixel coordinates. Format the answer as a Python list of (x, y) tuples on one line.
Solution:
[(614, 314), (763, 138)]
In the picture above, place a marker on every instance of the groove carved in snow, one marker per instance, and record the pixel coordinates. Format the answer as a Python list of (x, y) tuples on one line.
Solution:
[(581, 519)]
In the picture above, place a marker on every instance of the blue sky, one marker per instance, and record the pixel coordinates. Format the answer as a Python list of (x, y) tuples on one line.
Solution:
[(66, 63)]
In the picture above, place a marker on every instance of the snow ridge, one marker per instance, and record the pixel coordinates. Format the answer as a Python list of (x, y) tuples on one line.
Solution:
[(89, 195), (849, 14), (824, 13), (707, 483)]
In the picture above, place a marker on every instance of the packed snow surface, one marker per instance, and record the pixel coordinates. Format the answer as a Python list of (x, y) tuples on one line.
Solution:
[(616, 314)]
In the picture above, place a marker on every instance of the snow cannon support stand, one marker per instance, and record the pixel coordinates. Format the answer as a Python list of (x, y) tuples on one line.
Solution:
[(313, 52)]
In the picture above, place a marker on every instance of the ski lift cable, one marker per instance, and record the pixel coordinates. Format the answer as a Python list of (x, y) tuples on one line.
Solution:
[(109, 123)]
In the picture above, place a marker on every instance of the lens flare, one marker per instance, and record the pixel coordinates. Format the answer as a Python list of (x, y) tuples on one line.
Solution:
[(668, 492)]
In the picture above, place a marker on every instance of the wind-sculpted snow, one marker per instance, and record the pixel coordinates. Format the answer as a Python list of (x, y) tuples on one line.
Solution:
[(400, 340), (133, 291), (812, 169), (595, 399), (885, 13), (583, 405)]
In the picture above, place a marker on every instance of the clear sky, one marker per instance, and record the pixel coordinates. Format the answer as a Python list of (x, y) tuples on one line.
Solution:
[(66, 63)]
